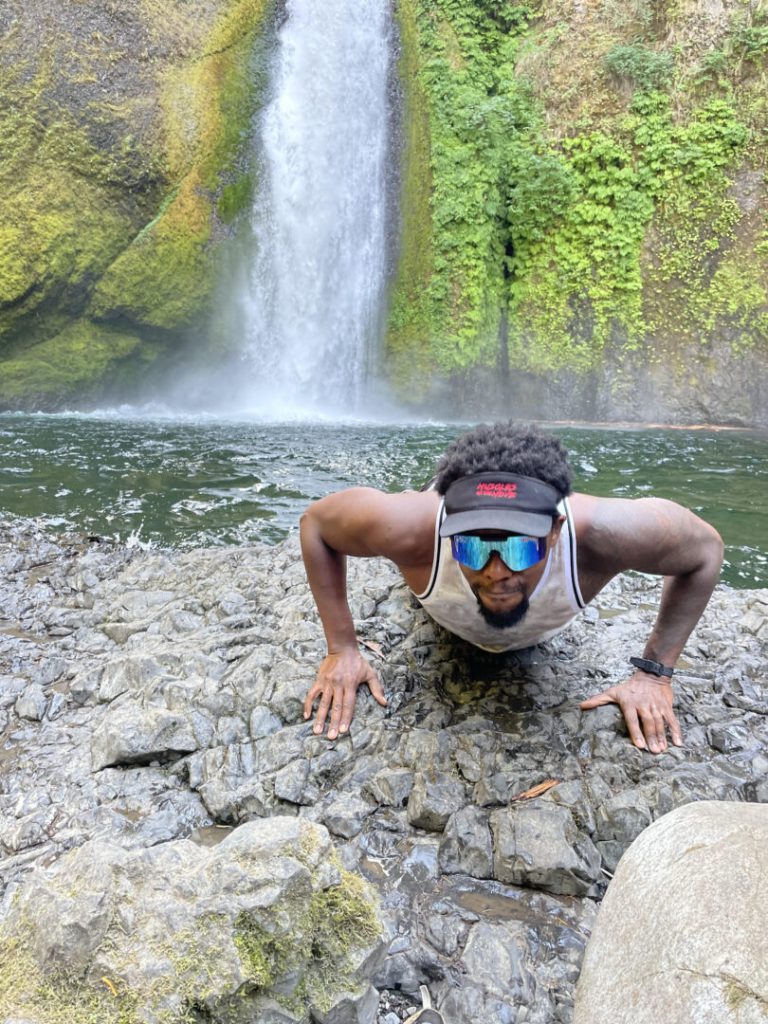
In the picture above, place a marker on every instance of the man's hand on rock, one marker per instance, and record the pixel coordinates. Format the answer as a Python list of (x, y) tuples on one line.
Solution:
[(340, 674), (646, 703)]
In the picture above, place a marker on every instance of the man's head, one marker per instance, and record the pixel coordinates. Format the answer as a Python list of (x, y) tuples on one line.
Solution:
[(502, 485), (506, 448)]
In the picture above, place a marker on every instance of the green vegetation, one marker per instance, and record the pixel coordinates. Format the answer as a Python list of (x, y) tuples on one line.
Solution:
[(76, 363), (468, 107), (166, 278), (50, 997), (579, 183), (339, 920), (641, 66), (580, 175)]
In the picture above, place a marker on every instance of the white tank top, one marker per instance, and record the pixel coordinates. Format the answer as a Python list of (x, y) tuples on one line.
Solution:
[(554, 602)]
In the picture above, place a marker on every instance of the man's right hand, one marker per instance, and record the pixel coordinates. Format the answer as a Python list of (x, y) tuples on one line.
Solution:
[(336, 686)]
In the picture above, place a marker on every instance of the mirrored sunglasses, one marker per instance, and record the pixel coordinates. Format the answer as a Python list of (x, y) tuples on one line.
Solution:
[(516, 552)]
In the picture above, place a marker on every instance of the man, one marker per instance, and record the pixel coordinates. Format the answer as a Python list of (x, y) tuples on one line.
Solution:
[(502, 554)]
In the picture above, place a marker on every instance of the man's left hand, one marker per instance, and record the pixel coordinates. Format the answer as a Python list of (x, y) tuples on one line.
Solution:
[(646, 703)]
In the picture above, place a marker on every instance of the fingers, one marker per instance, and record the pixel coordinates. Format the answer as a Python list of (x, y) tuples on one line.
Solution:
[(309, 700), (326, 697), (342, 710), (674, 729), (654, 729), (335, 691), (606, 697), (647, 711), (376, 689), (634, 728)]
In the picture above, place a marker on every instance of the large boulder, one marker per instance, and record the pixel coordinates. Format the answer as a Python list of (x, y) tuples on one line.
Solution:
[(264, 925), (681, 935)]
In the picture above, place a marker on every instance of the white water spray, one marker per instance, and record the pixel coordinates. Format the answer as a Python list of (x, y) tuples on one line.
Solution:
[(316, 285)]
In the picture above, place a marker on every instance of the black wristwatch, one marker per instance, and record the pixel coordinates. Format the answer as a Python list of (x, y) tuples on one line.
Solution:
[(654, 667)]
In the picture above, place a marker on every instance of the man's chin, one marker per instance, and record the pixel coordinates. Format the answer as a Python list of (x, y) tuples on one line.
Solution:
[(503, 620)]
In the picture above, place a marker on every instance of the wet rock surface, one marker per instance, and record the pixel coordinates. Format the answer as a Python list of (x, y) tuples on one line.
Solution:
[(148, 696)]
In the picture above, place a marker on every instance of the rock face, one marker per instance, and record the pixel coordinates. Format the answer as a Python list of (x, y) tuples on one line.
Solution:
[(581, 215), (123, 130), (146, 696), (681, 934)]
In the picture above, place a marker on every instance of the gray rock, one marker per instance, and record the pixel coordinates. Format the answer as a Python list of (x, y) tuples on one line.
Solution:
[(434, 798), (467, 846), (482, 728), (263, 722), (356, 1008), (390, 787), (250, 919), (500, 980), (56, 706), (128, 674), (623, 816), (345, 815), (291, 784), (31, 703), (539, 845), (138, 735), (683, 924)]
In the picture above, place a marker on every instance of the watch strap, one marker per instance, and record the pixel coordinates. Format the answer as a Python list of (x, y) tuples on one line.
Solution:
[(654, 667)]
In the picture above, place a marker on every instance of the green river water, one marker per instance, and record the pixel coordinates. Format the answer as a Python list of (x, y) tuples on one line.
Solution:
[(187, 482)]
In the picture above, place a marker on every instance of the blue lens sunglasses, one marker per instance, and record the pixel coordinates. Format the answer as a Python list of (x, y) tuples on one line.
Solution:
[(516, 551)]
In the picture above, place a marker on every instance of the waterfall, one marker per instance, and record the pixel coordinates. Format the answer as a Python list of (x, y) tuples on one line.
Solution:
[(316, 282)]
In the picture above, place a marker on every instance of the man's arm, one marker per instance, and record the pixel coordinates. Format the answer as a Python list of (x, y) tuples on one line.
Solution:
[(362, 522), (656, 536)]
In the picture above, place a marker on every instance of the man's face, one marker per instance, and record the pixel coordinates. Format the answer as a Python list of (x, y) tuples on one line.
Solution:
[(502, 594)]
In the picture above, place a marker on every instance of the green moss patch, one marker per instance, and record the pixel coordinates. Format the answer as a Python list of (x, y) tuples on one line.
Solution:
[(77, 362), (339, 920), (166, 278), (116, 209), (218, 966), (50, 997)]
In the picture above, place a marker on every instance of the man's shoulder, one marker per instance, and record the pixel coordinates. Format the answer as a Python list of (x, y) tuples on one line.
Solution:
[(597, 520), (399, 525), (583, 509), (411, 518), (591, 517)]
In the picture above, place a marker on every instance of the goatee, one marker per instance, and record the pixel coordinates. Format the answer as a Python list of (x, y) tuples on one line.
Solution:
[(503, 620)]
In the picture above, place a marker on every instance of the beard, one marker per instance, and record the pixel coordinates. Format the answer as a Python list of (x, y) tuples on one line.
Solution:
[(503, 620)]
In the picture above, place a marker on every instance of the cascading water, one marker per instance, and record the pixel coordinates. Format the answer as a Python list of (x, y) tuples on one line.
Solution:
[(317, 279)]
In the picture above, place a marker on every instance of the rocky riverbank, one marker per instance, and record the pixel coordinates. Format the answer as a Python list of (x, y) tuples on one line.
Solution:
[(149, 696)]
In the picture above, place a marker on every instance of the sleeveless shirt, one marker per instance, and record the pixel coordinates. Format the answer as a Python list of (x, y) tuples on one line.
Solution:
[(555, 600)]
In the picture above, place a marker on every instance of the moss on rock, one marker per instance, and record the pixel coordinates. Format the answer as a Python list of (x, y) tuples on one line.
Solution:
[(117, 950), (122, 136), (78, 363)]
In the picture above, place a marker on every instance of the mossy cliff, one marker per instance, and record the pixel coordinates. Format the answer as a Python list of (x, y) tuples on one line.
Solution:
[(122, 129), (584, 208)]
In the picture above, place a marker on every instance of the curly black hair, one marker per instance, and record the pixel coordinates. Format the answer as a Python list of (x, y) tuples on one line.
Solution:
[(506, 448)]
